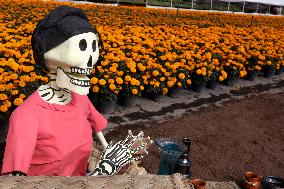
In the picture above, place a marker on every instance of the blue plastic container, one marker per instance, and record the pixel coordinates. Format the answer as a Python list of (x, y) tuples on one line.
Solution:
[(170, 150)]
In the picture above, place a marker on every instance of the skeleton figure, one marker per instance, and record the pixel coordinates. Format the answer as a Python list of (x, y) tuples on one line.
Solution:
[(51, 132)]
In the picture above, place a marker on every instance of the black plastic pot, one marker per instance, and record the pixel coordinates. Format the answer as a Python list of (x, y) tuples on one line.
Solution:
[(268, 71), (126, 101), (106, 106), (279, 71), (211, 84), (251, 75), (199, 86), (272, 182), (231, 80), (173, 92)]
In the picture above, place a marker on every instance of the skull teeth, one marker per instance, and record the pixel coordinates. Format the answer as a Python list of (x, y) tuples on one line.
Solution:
[(82, 83), (76, 70)]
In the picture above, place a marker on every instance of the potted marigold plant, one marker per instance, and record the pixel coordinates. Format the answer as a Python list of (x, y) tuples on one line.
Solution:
[(180, 80), (269, 67), (279, 67), (154, 86), (106, 89), (214, 73), (131, 82), (253, 66), (233, 70), (199, 79)]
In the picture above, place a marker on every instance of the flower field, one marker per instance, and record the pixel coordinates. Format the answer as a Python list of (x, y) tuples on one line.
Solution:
[(144, 49)]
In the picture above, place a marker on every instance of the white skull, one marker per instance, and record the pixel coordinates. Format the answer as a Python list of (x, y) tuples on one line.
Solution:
[(73, 60)]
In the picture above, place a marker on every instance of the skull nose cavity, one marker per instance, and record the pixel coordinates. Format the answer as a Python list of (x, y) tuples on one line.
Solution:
[(90, 62)]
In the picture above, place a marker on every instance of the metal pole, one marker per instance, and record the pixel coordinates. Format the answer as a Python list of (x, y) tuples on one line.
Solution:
[(244, 6), (211, 4), (191, 4), (257, 7), (171, 3), (269, 8), (229, 5), (280, 11), (146, 3)]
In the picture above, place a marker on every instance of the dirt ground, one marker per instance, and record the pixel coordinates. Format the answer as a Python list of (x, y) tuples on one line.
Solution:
[(244, 135)]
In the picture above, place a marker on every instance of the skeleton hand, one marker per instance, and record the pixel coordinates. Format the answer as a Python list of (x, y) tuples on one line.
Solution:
[(122, 153)]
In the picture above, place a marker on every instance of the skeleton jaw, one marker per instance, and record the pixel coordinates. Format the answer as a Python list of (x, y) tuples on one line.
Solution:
[(75, 81)]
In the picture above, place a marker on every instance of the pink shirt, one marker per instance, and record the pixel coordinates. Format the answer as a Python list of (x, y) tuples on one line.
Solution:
[(51, 139)]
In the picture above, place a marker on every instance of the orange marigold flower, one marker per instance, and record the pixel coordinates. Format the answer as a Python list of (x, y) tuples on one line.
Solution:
[(102, 82), (112, 87), (18, 101), (134, 91)]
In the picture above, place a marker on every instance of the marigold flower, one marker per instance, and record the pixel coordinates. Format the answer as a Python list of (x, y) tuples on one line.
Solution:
[(155, 73), (181, 75), (3, 108), (3, 96), (119, 80), (188, 82), (127, 78), (18, 101), (22, 96), (221, 78), (112, 87), (95, 89), (94, 80), (102, 82), (198, 71), (134, 91)]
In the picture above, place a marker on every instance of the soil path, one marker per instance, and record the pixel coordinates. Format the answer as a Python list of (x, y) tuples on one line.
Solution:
[(243, 135)]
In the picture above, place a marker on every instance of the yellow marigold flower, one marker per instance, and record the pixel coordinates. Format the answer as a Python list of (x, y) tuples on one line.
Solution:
[(134, 91), (22, 83), (141, 87), (155, 73), (112, 69), (18, 101), (7, 103), (162, 79), (137, 83), (102, 82), (133, 70), (112, 87), (3, 96), (198, 71), (127, 78), (165, 90), (133, 81), (14, 92), (221, 78), (95, 89), (94, 80), (157, 84), (181, 75), (203, 69), (119, 80), (22, 96), (203, 73), (188, 82), (269, 63), (110, 81), (3, 108)]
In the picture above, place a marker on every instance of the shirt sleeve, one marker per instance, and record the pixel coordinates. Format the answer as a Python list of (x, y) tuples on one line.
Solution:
[(20, 142), (96, 119)]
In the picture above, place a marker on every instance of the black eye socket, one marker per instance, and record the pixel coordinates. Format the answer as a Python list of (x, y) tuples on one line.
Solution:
[(83, 45), (94, 45)]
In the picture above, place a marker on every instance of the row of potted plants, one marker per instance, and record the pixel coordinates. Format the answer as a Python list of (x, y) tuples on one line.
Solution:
[(126, 99)]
